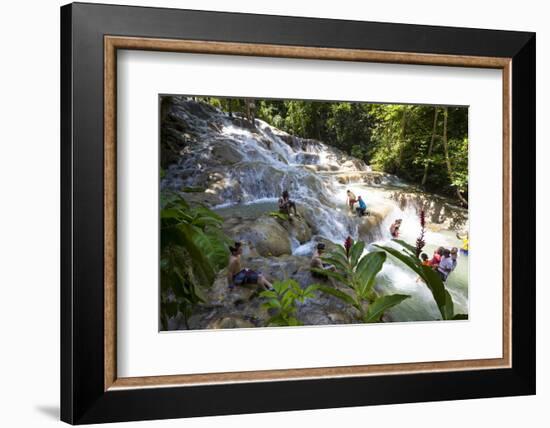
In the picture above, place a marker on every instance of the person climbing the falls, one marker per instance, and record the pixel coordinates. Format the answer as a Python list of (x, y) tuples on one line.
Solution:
[(285, 205), (425, 259), (436, 259), (236, 275), (465, 243), (317, 262), (454, 256), (352, 199), (446, 265), (425, 262), (362, 208), (394, 228)]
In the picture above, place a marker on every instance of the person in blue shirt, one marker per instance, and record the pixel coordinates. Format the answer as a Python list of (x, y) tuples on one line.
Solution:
[(362, 207)]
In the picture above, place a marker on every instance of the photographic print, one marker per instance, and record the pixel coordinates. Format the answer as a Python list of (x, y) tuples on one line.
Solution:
[(281, 212)]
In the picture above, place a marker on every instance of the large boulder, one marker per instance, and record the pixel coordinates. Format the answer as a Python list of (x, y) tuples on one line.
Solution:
[(369, 226), (223, 152), (265, 235), (297, 227)]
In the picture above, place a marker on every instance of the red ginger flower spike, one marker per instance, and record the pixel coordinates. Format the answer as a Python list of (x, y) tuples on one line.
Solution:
[(347, 245), (420, 243)]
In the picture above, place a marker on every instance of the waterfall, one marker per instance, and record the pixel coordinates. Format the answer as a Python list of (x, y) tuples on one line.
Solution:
[(246, 167)]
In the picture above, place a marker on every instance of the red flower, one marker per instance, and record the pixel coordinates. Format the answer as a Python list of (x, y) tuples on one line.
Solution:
[(420, 243), (347, 245)]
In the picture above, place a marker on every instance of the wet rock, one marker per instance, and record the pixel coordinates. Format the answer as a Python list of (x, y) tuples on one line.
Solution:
[(369, 226), (202, 198), (242, 306), (220, 293), (265, 235), (224, 153), (297, 227), (230, 322)]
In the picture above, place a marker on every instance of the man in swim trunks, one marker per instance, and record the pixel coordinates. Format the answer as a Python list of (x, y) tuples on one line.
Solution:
[(352, 199), (285, 204), (238, 276)]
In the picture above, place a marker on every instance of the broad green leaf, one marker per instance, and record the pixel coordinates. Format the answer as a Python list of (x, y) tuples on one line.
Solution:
[(449, 306), (337, 263), (310, 289), (356, 252), (169, 213), (340, 250), (411, 249), (411, 262), (337, 276), (345, 297), (368, 268), (377, 308), (274, 303), (268, 294), (436, 286), (460, 317)]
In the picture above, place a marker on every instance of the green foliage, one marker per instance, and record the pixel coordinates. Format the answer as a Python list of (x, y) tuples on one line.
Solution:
[(358, 273), (377, 308), (279, 215), (282, 300), (192, 250), (394, 138), (358, 151), (432, 280)]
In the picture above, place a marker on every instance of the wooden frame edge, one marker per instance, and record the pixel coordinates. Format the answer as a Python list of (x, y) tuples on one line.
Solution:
[(112, 43), (109, 198)]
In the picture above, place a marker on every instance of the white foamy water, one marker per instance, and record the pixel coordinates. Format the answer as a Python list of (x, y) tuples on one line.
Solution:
[(272, 161)]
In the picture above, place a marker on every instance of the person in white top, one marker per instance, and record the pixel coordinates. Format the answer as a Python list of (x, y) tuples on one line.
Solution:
[(446, 265)]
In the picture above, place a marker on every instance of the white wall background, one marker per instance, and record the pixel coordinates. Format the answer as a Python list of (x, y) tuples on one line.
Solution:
[(29, 215)]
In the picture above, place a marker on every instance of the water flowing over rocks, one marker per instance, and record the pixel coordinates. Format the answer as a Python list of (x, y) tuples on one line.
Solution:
[(239, 171)]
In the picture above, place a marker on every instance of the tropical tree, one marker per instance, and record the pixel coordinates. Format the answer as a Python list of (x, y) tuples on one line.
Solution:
[(193, 249), (426, 145), (357, 273)]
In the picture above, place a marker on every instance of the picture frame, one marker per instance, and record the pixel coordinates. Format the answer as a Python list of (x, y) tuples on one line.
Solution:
[(91, 391)]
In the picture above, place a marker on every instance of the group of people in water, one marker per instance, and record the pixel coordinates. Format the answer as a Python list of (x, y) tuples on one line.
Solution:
[(443, 261)]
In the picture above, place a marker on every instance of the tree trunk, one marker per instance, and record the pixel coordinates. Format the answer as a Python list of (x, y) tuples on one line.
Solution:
[(402, 136), (425, 177), (447, 159)]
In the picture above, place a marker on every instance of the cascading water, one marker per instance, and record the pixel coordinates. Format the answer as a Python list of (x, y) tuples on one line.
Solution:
[(258, 163)]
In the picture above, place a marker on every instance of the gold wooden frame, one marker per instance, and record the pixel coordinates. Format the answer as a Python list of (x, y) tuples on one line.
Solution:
[(113, 43)]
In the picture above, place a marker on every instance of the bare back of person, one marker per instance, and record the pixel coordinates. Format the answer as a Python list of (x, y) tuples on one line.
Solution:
[(236, 275), (233, 268)]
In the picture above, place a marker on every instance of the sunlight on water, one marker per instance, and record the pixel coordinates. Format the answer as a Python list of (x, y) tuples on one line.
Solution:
[(310, 171)]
